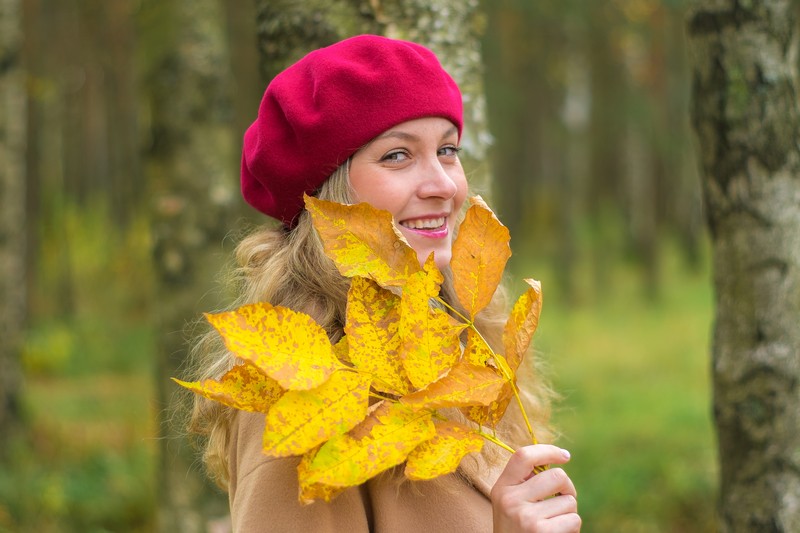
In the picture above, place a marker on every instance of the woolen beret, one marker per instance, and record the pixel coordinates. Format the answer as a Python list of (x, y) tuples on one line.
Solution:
[(318, 112)]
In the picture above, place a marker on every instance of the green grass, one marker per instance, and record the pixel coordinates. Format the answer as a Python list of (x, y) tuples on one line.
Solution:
[(87, 463), (635, 409)]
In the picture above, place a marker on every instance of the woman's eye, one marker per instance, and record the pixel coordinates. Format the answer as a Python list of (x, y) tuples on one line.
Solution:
[(395, 157), (449, 151)]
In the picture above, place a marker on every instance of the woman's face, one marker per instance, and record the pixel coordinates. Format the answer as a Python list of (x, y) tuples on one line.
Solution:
[(412, 170)]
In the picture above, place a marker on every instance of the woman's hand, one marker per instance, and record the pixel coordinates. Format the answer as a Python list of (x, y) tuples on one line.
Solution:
[(546, 502)]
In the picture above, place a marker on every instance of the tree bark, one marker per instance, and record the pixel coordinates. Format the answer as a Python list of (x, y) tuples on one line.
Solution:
[(12, 216), (745, 113), (193, 190)]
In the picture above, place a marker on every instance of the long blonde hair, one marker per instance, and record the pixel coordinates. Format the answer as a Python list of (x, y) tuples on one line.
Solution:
[(289, 268)]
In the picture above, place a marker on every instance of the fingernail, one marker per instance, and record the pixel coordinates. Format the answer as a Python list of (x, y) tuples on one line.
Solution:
[(565, 453)]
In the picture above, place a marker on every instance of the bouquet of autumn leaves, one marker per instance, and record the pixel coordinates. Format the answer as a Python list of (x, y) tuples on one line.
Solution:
[(372, 400)]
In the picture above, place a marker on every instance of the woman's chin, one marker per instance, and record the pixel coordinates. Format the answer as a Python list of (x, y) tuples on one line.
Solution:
[(441, 258)]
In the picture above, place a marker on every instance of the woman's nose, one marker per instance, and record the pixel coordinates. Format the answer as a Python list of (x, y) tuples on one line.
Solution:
[(436, 181)]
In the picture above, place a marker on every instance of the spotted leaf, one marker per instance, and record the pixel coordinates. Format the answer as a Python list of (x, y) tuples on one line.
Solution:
[(288, 346), (429, 343), (491, 414), (373, 316), (476, 352), (480, 253), (522, 324), (363, 241), (442, 454), (302, 420), (465, 385), (243, 387), (310, 492), (382, 441)]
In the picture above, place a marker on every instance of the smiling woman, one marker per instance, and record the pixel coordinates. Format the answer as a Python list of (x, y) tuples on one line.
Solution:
[(372, 120), (413, 171)]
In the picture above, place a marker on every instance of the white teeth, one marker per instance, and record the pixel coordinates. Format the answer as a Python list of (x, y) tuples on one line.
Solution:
[(428, 223)]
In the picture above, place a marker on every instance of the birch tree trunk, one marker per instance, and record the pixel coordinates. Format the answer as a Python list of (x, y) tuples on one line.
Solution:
[(193, 190), (746, 116), (12, 215), (287, 30)]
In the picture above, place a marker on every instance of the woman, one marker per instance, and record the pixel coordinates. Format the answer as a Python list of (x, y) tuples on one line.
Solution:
[(374, 120)]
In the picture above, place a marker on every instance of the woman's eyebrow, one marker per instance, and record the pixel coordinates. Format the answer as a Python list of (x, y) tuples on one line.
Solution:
[(410, 136), (398, 135), (450, 131)]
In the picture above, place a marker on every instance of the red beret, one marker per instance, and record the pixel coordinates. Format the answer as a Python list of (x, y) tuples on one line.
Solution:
[(321, 110)]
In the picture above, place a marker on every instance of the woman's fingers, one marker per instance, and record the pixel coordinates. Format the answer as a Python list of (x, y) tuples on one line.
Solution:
[(520, 466), (565, 523), (545, 502), (558, 505), (546, 484)]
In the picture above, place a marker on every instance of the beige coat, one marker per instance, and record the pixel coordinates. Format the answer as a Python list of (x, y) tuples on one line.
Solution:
[(263, 496)]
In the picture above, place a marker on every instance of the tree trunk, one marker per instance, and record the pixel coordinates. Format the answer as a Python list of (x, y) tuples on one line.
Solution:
[(193, 190), (522, 106), (746, 115), (12, 216)]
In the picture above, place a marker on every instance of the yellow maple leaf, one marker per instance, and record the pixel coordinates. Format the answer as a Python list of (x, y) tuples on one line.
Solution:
[(464, 385), (243, 387), (363, 241), (382, 441), (288, 346), (373, 315), (302, 420), (522, 324), (480, 253), (443, 453), (429, 342)]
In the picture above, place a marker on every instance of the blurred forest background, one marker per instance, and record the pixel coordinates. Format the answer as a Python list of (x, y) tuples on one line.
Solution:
[(592, 168)]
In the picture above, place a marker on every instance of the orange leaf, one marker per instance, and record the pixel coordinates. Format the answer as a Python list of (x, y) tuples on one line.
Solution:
[(491, 414), (464, 385), (243, 387), (522, 324), (363, 241), (382, 441), (301, 420), (443, 453), (286, 345), (373, 315), (428, 336), (480, 253)]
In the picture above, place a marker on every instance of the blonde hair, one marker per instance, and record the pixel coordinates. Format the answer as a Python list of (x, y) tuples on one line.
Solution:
[(289, 268)]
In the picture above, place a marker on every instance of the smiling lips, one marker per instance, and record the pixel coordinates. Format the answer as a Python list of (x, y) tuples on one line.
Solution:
[(430, 227)]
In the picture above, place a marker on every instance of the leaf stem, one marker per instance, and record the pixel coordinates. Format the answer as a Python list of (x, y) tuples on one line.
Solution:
[(455, 311), (508, 374), (382, 397), (492, 438), (504, 368)]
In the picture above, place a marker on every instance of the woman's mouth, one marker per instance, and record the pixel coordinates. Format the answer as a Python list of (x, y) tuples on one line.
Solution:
[(424, 223), (429, 227)]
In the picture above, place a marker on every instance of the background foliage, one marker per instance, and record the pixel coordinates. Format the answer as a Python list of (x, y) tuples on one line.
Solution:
[(593, 171)]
